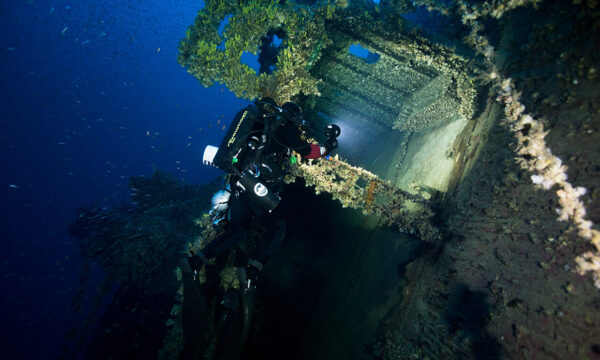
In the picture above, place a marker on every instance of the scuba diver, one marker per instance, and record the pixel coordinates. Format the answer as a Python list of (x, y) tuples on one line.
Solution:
[(257, 152)]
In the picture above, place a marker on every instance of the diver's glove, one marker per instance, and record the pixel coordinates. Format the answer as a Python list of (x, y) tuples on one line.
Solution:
[(330, 145)]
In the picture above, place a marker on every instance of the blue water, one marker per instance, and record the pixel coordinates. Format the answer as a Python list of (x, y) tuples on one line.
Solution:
[(91, 94)]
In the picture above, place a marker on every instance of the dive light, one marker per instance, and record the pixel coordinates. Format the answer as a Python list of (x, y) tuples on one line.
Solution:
[(332, 131)]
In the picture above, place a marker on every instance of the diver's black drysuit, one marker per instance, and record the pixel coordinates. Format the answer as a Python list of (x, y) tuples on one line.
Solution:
[(271, 163)]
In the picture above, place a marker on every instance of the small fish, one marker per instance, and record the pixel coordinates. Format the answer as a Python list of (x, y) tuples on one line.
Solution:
[(157, 50), (85, 42), (51, 10), (64, 30), (218, 121), (13, 186), (224, 127)]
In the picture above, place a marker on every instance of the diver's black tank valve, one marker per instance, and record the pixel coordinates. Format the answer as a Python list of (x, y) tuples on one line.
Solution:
[(257, 191)]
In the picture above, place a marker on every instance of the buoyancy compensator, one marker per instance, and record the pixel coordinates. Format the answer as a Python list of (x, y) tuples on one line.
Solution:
[(238, 142), (236, 138)]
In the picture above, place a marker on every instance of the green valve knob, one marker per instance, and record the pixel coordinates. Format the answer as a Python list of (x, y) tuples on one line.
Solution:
[(234, 160), (293, 160)]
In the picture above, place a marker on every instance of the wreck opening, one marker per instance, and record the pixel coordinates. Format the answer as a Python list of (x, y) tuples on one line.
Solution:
[(363, 53), (270, 48), (400, 90)]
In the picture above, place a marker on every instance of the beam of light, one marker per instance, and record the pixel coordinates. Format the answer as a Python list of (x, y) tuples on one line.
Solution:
[(354, 142)]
